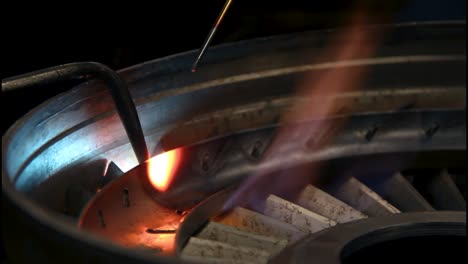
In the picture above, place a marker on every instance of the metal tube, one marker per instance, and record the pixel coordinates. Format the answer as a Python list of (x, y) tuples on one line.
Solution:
[(86, 70)]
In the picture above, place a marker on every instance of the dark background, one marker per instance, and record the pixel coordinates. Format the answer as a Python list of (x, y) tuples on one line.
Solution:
[(182, 25)]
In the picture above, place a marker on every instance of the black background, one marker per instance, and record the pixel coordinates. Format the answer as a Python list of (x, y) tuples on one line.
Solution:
[(178, 26)]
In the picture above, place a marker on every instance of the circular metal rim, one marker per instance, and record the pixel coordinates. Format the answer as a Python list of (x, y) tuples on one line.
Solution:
[(41, 217), (177, 65), (331, 245)]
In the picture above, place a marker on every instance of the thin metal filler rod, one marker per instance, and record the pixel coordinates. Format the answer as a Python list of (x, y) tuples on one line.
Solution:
[(211, 34)]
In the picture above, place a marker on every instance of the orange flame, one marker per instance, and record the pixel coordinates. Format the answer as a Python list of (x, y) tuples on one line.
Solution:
[(162, 168)]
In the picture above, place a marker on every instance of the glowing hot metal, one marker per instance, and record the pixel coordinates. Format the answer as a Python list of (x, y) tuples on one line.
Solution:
[(162, 168)]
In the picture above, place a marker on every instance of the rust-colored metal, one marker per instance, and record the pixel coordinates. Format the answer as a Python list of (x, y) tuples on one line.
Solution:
[(260, 224), (126, 213)]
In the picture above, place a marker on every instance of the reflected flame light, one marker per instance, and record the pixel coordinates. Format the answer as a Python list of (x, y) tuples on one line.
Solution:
[(307, 126), (162, 168)]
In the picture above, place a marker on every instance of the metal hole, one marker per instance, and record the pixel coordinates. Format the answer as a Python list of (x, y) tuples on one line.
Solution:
[(371, 133), (160, 231), (432, 130), (205, 162), (126, 197), (101, 219), (255, 153)]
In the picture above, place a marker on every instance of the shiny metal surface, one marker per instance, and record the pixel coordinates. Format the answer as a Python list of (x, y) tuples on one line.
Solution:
[(82, 70), (125, 213), (243, 87)]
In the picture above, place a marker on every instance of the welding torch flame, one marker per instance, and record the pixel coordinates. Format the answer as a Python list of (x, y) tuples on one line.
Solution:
[(162, 169), (349, 44)]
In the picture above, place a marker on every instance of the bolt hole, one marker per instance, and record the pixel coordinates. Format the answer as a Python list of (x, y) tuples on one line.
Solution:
[(160, 231), (126, 198), (371, 133), (205, 162), (101, 219), (432, 130), (255, 153)]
